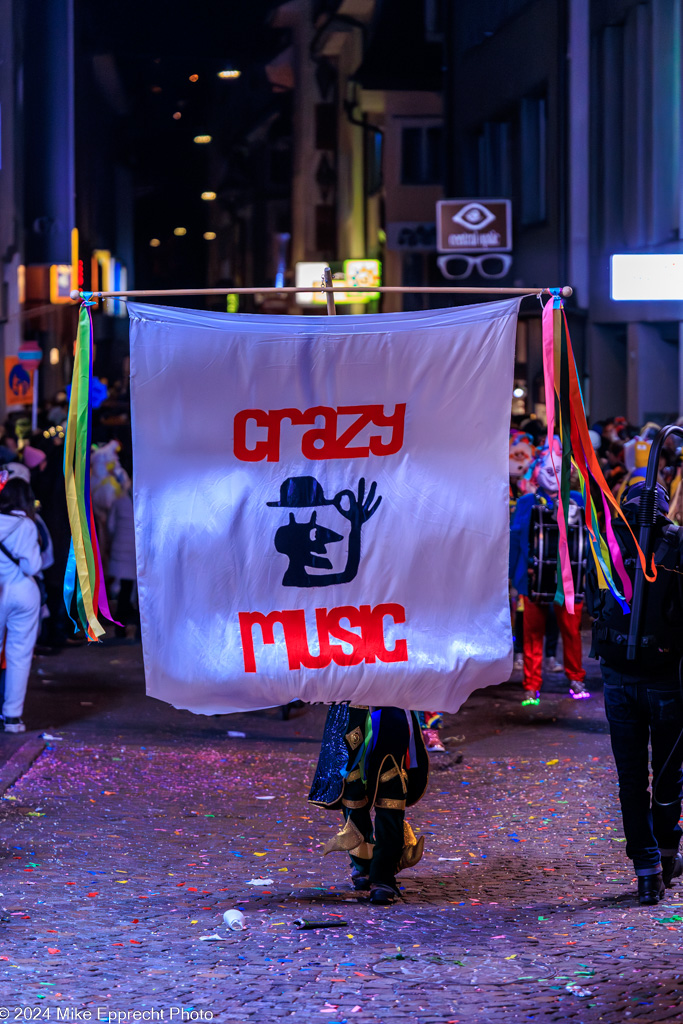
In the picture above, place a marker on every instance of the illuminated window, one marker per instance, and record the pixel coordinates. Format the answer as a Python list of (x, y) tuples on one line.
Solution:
[(54, 356), (229, 74), (179, 231), (154, 242), (202, 140), (209, 235), (208, 196)]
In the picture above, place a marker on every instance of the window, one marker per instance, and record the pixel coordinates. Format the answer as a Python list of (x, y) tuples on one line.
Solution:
[(325, 126), (435, 17), (494, 178), (532, 142), (373, 161), (280, 165), (421, 155), (326, 229)]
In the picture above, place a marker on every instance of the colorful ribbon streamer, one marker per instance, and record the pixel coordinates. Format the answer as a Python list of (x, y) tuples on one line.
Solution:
[(84, 578), (566, 416)]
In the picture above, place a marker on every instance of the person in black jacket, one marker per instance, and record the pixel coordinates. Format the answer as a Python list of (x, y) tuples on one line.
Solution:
[(644, 699)]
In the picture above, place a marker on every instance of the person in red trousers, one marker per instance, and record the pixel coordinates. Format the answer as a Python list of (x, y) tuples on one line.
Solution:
[(545, 476), (535, 616)]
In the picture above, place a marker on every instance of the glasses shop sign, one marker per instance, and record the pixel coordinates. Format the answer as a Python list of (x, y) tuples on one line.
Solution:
[(474, 234)]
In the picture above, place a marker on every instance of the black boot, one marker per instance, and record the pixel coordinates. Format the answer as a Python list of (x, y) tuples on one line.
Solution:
[(360, 880), (672, 867), (650, 889), (383, 894)]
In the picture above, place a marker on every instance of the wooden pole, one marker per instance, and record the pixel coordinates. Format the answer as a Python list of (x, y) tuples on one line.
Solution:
[(329, 293), (146, 293)]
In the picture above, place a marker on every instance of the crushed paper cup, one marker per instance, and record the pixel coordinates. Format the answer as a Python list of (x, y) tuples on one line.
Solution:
[(234, 920)]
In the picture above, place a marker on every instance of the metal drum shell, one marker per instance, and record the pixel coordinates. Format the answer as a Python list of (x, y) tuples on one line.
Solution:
[(543, 543)]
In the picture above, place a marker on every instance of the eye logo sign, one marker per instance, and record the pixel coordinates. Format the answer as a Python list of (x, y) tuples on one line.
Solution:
[(474, 215), (474, 225), (305, 542)]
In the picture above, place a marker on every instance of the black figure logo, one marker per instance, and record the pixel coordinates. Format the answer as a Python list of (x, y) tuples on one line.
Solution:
[(305, 544)]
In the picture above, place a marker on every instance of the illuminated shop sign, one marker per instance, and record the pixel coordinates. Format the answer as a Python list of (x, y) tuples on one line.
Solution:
[(474, 225), (356, 273), (647, 276)]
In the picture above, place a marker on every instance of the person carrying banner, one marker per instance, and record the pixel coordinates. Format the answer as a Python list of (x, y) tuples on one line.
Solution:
[(372, 758), (545, 476), (644, 699)]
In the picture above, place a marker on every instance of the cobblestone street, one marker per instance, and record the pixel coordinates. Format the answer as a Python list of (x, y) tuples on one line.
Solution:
[(130, 834)]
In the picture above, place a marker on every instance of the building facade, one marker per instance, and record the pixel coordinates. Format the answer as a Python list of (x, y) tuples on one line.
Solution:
[(364, 77), (66, 212), (573, 111)]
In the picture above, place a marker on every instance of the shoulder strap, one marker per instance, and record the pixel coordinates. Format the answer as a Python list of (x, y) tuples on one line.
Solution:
[(672, 536), (9, 554)]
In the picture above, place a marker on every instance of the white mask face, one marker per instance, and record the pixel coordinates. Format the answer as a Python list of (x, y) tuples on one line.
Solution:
[(546, 474)]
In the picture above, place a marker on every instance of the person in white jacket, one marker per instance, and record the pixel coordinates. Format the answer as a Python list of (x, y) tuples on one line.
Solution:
[(19, 594)]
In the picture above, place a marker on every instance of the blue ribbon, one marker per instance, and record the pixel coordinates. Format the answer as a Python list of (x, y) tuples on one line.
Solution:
[(70, 584), (412, 750)]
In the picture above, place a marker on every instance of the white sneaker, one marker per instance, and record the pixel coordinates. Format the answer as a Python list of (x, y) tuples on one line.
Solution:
[(577, 690), (518, 663), (14, 725), (553, 665)]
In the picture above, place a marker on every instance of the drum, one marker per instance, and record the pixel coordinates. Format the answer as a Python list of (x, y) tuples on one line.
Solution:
[(543, 543)]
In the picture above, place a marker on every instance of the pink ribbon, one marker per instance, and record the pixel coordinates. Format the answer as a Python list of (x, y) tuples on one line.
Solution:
[(549, 379)]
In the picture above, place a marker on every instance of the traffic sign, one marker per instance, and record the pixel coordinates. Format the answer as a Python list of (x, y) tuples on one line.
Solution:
[(30, 355)]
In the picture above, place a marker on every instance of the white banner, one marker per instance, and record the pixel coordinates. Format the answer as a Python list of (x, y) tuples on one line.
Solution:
[(321, 505)]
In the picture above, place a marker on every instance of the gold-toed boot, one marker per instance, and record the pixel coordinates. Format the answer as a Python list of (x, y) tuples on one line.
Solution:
[(413, 848), (346, 840)]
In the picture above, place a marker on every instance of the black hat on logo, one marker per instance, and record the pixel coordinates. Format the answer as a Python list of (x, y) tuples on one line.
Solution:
[(300, 492)]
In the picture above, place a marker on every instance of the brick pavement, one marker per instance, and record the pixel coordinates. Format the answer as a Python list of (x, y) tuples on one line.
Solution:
[(128, 837)]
